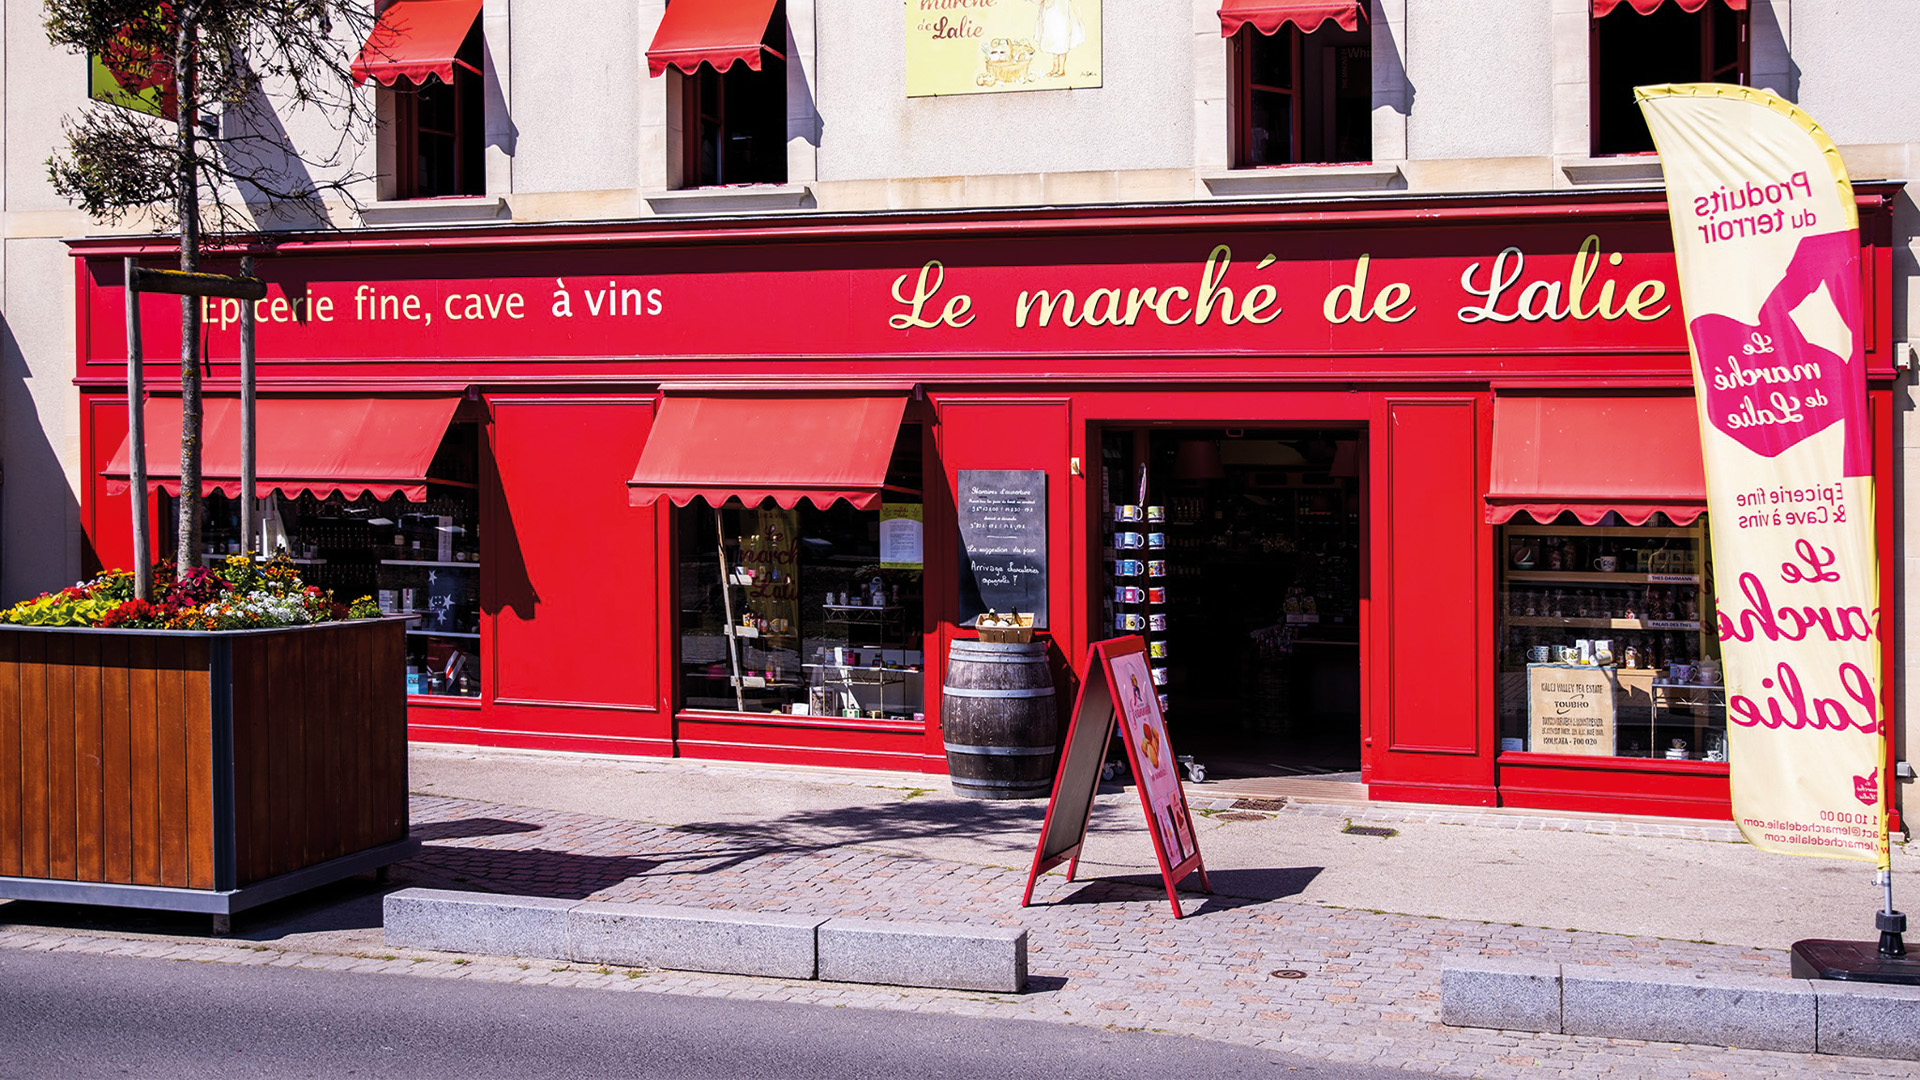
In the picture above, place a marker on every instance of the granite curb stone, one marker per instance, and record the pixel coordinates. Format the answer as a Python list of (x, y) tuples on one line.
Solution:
[(1753, 1012), (499, 925), (1512, 995), (693, 939), (1868, 1019), (989, 958), (724, 941)]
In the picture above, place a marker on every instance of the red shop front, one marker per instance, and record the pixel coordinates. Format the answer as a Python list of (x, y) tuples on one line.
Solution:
[(1376, 476)]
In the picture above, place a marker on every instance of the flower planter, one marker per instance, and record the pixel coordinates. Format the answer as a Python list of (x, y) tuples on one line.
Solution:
[(200, 771)]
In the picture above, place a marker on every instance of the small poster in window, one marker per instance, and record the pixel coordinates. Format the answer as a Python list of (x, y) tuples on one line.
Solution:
[(1570, 709), (995, 46), (902, 537)]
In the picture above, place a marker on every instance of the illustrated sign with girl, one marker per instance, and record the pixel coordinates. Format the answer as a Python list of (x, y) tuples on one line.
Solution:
[(994, 46)]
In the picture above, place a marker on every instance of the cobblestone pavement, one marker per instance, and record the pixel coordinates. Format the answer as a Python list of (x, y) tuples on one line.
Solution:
[(1106, 952)]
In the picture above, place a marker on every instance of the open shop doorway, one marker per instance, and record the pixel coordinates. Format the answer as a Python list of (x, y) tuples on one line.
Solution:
[(1236, 552)]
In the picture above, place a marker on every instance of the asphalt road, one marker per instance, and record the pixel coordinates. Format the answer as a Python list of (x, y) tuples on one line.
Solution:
[(75, 1016)]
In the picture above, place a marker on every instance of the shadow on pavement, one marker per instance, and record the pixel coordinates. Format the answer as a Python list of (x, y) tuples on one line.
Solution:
[(562, 875), (812, 830), (470, 827), (1231, 888)]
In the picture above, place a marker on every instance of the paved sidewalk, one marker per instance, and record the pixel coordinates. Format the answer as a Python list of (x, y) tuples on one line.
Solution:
[(1367, 921)]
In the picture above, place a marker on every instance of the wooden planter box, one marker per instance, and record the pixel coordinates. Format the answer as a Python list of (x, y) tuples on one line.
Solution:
[(200, 771)]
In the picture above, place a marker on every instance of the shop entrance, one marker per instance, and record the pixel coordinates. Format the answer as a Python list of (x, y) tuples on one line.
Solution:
[(1236, 553)]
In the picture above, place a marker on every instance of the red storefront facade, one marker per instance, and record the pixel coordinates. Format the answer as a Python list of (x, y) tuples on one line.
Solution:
[(1432, 344)]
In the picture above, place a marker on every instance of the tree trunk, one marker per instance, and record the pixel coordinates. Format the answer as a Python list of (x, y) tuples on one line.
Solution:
[(187, 189)]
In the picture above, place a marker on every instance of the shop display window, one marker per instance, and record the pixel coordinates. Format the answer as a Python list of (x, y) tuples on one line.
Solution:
[(736, 120), (1302, 98), (1608, 640), (421, 558), (808, 611), (1666, 45)]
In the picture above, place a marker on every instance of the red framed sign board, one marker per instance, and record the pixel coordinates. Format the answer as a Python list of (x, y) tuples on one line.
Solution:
[(1116, 684)]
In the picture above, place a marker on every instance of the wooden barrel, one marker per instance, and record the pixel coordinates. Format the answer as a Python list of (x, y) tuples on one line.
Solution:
[(998, 718)]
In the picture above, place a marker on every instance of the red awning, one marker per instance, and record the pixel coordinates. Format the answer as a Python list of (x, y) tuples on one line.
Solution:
[(1592, 455), (351, 446), (1268, 16), (753, 447), (1603, 8), (716, 32), (413, 39)]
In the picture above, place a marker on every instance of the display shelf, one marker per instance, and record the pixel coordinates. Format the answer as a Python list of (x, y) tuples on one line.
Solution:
[(207, 556), (1576, 623), (845, 668), (760, 682), (463, 565), (1599, 577)]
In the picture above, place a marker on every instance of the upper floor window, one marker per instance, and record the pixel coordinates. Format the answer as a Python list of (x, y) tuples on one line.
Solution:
[(1645, 42), (731, 78), (1302, 82), (426, 56)]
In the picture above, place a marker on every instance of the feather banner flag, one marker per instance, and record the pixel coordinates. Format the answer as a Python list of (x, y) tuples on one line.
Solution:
[(1767, 238)]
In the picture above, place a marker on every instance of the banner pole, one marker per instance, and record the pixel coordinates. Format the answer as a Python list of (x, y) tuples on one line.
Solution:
[(1890, 923)]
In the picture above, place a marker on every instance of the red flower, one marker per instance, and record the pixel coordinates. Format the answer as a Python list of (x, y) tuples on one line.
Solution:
[(137, 613)]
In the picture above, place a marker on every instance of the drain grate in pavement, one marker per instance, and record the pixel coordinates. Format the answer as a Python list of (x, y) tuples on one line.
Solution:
[(1259, 804), (1240, 815), (1369, 830), (1289, 973)]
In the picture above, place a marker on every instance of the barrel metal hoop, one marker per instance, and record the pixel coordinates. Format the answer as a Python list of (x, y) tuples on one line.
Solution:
[(988, 658), (1042, 786), (967, 691), (1001, 751)]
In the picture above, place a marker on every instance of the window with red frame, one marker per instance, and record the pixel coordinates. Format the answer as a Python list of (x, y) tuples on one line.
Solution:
[(1667, 45), (1302, 98), (439, 131), (736, 120)]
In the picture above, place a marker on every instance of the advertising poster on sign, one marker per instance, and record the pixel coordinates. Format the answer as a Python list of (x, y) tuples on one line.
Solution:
[(995, 46), (1158, 775), (1766, 235)]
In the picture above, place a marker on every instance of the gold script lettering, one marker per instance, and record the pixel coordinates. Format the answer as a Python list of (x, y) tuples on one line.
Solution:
[(958, 310)]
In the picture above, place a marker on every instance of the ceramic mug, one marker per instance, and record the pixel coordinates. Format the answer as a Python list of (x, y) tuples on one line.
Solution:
[(1678, 672), (1709, 671), (1539, 654), (1568, 654), (1607, 564)]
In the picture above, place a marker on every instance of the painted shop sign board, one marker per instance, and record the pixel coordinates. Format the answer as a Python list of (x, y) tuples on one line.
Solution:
[(1570, 709), (1396, 293), (1003, 542), (1115, 684), (996, 46)]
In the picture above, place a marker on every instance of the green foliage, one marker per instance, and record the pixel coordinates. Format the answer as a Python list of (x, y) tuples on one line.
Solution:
[(251, 61)]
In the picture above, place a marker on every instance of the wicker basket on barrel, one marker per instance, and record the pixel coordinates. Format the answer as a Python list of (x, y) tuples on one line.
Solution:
[(999, 719)]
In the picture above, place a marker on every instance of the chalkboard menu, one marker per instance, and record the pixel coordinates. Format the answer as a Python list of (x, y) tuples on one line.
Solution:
[(1003, 542)]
